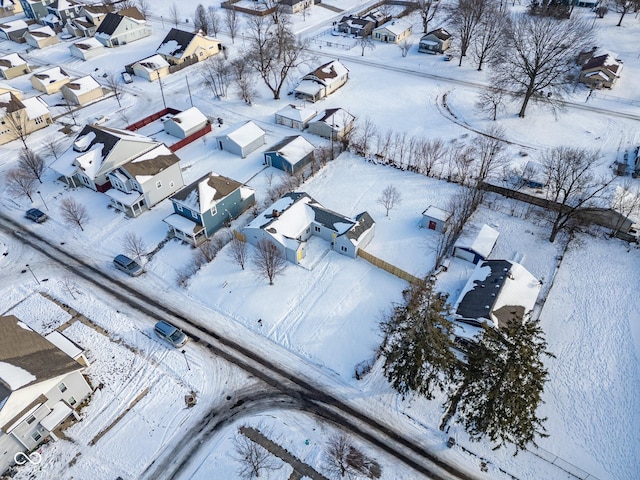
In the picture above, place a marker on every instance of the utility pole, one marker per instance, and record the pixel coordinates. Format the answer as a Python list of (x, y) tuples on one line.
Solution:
[(189, 90), (162, 91)]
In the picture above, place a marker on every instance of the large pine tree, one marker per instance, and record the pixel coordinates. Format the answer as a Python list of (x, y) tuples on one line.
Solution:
[(503, 383), (417, 346)]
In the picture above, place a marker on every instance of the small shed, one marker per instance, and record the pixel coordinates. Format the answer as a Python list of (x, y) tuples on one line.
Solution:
[(87, 49), (185, 123), (434, 218), (290, 155), (294, 116), (476, 247), (151, 68), (82, 90), (242, 138)]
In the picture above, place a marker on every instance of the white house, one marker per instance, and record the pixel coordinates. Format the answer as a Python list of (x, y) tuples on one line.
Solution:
[(241, 138), (295, 217), (87, 49), (40, 386), (126, 26), (475, 247), (498, 292), (322, 82), (293, 116), (185, 123)]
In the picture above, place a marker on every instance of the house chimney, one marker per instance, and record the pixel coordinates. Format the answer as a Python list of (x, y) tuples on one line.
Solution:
[(275, 213)]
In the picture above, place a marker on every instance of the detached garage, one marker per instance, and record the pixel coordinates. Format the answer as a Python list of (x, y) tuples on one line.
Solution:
[(476, 247), (434, 218)]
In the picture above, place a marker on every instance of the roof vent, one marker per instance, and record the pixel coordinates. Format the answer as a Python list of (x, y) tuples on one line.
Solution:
[(275, 213)]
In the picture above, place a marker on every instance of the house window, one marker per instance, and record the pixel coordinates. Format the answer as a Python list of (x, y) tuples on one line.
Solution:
[(31, 419), (62, 387), (158, 184), (194, 214), (317, 229), (39, 120), (36, 436), (214, 210), (72, 401), (178, 207), (343, 248), (172, 184)]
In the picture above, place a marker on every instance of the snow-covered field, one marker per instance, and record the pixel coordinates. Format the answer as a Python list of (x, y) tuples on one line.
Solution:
[(327, 311)]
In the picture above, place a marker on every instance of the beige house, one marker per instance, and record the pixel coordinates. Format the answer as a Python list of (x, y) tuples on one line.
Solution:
[(392, 32), (322, 82), (180, 46), (10, 7), (41, 385), (20, 117), (12, 66), (601, 71), (50, 81), (41, 37), (82, 90), (151, 68)]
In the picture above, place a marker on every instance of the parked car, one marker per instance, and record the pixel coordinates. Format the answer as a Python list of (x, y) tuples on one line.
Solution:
[(448, 57), (128, 266), (36, 215), (126, 77), (101, 119), (171, 334)]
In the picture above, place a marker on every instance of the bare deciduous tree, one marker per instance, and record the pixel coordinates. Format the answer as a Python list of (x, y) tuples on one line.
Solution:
[(215, 72), (72, 110), (273, 51), (16, 119), (238, 252), (405, 46), (174, 15), (268, 260), (134, 245), (53, 146), (113, 83), (344, 460), (144, 7), (73, 213), (244, 79), (390, 198), (488, 38), (363, 139), (571, 184), (201, 19), (20, 184), (428, 10), (214, 20), (539, 55), (252, 457), (625, 6), (231, 23), (465, 18), (626, 201), (491, 101), (365, 43), (31, 164)]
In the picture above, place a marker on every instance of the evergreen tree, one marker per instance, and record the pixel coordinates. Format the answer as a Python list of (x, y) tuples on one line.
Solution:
[(417, 343), (503, 383)]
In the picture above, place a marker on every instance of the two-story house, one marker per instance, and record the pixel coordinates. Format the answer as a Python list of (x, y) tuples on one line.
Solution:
[(323, 81), (35, 9), (295, 217), (203, 207), (60, 12), (40, 387), (179, 47), (20, 117), (125, 26), (90, 18)]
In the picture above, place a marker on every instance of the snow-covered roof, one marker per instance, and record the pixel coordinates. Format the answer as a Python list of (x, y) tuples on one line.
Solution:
[(11, 60), (188, 119), (396, 27), (243, 134), (88, 44), (294, 148), (498, 291), (437, 213), (124, 198), (44, 31), (64, 344), (294, 112), (13, 26), (327, 73), (206, 192), (481, 242), (152, 63), (60, 412), (309, 87), (336, 118), (83, 85), (183, 224), (51, 75), (36, 107)]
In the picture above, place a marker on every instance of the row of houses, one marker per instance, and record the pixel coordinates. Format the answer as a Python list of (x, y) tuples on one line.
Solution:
[(20, 116)]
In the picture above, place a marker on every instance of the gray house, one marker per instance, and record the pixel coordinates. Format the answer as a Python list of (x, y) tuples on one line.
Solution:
[(293, 116), (435, 41), (241, 138), (295, 217), (291, 154), (145, 181), (126, 26), (41, 385), (333, 123), (14, 30), (185, 123), (203, 207)]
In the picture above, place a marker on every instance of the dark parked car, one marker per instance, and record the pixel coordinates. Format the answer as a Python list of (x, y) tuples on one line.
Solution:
[(36, 215), (128, 266), (171, 334)]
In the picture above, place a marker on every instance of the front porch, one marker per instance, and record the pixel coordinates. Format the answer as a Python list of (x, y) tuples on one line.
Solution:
[(186, 230), (132, 204)]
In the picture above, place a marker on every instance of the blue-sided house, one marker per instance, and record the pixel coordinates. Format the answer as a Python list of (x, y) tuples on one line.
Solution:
[(203, 207), (291, 221), (291, 154)]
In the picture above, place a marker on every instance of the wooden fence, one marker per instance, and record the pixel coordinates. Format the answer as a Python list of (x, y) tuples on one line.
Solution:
[(191, 138), (151, 118), (393, 270)]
